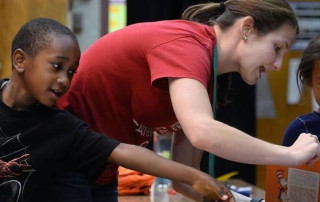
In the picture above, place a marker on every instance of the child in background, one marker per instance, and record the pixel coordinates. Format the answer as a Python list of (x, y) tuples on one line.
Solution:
[(309, 75), (39, 142)]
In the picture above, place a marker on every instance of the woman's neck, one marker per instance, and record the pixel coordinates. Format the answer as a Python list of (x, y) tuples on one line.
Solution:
[(227, 45)]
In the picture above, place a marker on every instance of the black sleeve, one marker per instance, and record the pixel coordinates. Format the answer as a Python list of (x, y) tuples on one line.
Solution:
[(90, 149)]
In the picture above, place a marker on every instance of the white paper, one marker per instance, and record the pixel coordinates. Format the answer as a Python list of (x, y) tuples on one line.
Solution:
[(240, 198), (302, 185)]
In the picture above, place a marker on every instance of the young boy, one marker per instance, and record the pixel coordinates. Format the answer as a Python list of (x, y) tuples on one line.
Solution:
[(39, 142)]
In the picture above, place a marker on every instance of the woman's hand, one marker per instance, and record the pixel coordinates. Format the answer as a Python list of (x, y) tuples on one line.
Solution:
[(306, 149)]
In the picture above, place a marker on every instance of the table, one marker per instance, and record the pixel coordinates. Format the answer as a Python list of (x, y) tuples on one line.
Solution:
[(162, 197), (256, 191)]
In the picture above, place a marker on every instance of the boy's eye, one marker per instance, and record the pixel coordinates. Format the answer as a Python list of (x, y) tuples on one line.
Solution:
[(72, 72), (57, 65)]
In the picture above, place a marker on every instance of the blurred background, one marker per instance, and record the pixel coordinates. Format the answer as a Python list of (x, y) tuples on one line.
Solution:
[(263, 110)]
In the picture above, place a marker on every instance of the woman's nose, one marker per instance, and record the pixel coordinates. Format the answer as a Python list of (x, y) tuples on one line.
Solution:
[(277, 64)]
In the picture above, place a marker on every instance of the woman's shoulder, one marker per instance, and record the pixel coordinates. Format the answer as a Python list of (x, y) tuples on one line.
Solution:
[(174, 28)]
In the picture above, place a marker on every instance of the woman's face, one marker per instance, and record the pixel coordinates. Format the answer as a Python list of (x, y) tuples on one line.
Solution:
[(316, 81), (263, 54)]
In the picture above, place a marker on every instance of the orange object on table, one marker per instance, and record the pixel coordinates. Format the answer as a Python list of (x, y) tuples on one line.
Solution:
[(131, 182)]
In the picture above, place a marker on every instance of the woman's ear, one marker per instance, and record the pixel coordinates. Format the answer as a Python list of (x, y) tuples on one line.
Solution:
[(247, 27), (19, 59)]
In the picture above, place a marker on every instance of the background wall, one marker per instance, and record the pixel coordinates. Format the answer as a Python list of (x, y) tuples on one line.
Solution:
[(14, 13), (86, 21)]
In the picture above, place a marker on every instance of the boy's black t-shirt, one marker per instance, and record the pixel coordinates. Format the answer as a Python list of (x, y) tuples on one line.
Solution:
[(56, 141)]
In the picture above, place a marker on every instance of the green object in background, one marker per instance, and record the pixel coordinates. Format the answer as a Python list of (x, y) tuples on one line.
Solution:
[(166, 154), (117, 15)]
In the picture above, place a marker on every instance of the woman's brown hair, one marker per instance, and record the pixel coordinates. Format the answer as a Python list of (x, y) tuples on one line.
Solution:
[(268, 16)]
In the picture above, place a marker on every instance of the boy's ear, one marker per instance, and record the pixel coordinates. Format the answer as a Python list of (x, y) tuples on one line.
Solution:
[(19, 59)]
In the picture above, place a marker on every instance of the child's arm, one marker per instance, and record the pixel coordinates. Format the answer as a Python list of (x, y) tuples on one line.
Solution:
[(146, 161)]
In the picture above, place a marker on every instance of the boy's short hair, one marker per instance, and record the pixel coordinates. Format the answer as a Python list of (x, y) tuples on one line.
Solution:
[(37, 34)]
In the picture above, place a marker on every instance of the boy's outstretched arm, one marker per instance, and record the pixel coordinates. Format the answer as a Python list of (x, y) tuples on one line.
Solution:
[(143, 160)]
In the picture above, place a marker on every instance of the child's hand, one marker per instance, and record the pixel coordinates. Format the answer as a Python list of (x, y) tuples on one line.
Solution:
[(14, 167), (212, 190)]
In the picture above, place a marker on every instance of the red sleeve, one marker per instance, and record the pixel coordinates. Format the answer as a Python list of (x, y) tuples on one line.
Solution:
[(185, 57)]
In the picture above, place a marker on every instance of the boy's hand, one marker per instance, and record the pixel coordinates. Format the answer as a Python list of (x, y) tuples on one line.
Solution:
[(14, 167), (212, 190)]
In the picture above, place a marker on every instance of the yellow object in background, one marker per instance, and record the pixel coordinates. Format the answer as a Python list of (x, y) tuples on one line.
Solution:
[(117, 15), (227, 176)]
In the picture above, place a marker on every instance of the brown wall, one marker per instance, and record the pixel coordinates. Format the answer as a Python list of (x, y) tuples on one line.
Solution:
[(14, 13)]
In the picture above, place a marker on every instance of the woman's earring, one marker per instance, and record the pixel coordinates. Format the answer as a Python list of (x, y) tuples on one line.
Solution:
[(245, 37)]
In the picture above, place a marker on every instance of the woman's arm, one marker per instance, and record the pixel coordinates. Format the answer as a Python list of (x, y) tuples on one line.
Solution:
[(193, 109), (146, 161)]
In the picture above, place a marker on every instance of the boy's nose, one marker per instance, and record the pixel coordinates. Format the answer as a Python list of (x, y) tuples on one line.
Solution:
[(63, 81)]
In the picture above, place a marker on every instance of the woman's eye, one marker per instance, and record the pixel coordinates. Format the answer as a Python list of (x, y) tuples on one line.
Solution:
[(277, 48)]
